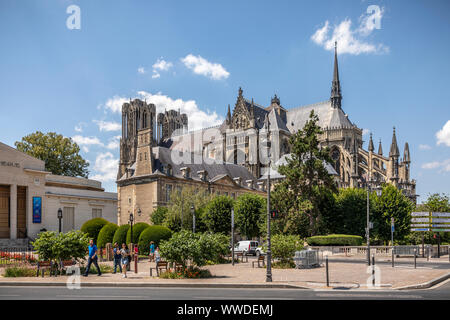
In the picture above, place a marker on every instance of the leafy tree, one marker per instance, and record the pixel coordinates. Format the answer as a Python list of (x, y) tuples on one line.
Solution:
[(179, 208), (350, 214), (283, 247), (218, 214), (249, 211), (307, 179), (60, 154), (392, 204), (157, 217), (155, 234)]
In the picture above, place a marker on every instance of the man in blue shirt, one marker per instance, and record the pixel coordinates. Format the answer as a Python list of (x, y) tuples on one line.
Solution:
[(92, 258)]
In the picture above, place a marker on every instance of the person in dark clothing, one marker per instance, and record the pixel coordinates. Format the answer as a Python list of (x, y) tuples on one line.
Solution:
[(92, 258), (117, 258)]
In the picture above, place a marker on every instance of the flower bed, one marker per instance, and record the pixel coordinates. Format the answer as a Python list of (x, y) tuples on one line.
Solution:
[(189, 273)]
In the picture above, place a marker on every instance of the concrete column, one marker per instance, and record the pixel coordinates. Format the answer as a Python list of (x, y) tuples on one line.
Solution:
[(13, 212)]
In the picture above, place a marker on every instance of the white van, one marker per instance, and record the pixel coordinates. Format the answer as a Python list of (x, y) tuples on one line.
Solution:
[(246, 247)]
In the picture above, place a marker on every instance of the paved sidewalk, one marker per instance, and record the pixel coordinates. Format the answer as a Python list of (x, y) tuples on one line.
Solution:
[(343, 274)]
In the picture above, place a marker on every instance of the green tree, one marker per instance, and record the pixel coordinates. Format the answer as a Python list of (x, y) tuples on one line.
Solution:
[(306, 177), (157, 217), (392, 204), (217, 216), (60, 154), (250, 214), (120, 236), (137, 230), (437, 203), (350, 212), (92, 227), (179, 208), (106, 234)]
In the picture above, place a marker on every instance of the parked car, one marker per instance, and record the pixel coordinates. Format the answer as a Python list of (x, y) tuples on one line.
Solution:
[(247, 247), (260, 251)]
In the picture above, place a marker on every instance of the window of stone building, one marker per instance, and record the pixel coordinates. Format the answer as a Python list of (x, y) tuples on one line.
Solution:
[(168, 192), (140, 156), (233, 195), (169, 170), (129, 200), (145, 155), (179, 189), (96, 213), (226, 194)]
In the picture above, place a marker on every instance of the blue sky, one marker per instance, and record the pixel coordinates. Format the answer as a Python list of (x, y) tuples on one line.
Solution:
[(194, 55)]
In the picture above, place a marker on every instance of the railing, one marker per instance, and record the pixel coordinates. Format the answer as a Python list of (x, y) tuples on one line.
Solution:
[(17, 256), (381, 250)]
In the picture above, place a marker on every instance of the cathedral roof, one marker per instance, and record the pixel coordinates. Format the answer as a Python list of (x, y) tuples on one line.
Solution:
[(329, 117)]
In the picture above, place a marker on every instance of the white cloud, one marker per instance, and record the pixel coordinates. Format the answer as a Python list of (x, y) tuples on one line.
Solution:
[(350, 40), (160, 65), (114, 143), (86, 141), (141, 70), (115, 104), (443, 135), (79, 127), (197, 118), (108, 126), (424, 147), (203, 67), (443, 165), (105, 167)]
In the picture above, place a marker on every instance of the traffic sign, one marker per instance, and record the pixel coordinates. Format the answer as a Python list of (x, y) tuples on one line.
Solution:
[(424, 221)]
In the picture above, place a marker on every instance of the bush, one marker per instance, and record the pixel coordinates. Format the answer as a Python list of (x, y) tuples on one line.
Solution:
[(106, 235), (283, 247), (92, 227), (13, 272), (137, 230), (191, 273), (155, 234), (196, 247), (335, 240), (120, 236)]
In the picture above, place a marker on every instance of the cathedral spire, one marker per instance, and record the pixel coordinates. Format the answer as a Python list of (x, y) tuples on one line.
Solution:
[(380, 149), (228, 115), (336, 96), (394, 152), (371, 148), (406, 155)]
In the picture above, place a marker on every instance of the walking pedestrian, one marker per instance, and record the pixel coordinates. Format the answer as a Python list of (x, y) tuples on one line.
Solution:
[(92, 258), (125, 259), (152, 251), (117, 258)]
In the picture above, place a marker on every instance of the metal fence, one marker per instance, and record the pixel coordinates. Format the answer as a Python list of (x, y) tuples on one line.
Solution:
[(17, 256)]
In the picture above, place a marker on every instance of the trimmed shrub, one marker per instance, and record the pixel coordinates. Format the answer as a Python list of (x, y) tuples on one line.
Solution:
[(106, 235), (335, 240), (284, 247), (137, 230), (120, 236), (155, 234), (13, 272), (92, 227)]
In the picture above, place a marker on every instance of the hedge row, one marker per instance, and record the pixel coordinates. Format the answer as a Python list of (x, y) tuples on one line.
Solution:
[(155, 234), (106, 235), (92, 227), (335, 240)]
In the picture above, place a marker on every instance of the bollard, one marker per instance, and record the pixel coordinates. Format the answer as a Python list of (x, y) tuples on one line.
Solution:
[(393, 258), (373, 270), (415, 258), (428, 253), (135, 263), (326, 268)]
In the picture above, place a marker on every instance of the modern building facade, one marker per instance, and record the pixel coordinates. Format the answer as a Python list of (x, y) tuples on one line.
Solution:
[(30, 198)]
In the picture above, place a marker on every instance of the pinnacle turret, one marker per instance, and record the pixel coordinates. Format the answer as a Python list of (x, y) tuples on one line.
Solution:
[(394, 152), (336, 96)]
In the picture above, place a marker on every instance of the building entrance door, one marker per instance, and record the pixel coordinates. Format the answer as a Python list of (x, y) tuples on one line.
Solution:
[(4, 212), (21, 212)]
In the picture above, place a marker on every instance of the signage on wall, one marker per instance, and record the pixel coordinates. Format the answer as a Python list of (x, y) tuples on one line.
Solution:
[(37, 209), (10, 164)]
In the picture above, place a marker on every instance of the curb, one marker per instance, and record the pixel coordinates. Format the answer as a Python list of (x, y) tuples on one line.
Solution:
[(155, 285), (426, 285)]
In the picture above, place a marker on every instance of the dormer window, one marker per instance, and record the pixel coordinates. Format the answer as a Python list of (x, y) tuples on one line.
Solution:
[(169, 170), (186, 172)]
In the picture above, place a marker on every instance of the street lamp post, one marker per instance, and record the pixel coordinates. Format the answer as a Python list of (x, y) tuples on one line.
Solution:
[(232, 236), (193, 218), (269, 252), (131, 228), (60, 215)]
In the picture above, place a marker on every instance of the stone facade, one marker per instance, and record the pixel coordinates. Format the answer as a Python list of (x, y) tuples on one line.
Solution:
[(23, 178)]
